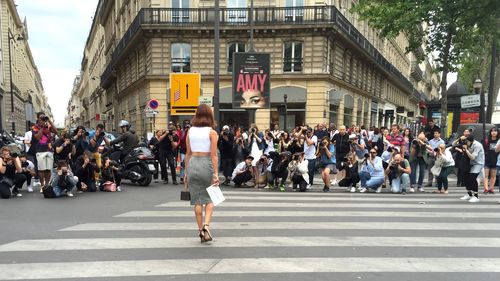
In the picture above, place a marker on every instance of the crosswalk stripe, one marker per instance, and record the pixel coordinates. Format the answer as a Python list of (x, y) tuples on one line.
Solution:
[(243, 265), (421, 204), (242, 242), (385, 199), (336, 192), (285, 225), (312, 213)]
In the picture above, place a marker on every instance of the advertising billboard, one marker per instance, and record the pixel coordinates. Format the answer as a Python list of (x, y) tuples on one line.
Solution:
[(251, 80)]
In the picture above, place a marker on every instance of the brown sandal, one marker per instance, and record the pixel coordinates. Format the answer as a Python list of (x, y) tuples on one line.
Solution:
[(206, 233)]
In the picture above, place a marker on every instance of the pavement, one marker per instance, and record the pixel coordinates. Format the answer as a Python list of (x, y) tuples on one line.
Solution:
[(147, 233)]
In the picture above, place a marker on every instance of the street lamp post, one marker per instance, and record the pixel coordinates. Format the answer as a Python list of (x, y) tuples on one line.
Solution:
[(285, 97), (12, 114), (478, 84)]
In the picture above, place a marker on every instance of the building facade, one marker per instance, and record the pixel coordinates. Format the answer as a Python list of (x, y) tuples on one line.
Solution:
[(332, 66), (19, 74)]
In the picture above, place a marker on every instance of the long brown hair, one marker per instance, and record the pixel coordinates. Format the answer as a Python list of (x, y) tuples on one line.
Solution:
[(204, 117)]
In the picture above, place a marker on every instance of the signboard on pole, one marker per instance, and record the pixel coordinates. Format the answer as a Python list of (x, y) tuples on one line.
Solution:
[(153, 104), (469, 117), (251, 80), (206, 100), (184, 93), (470, 101)]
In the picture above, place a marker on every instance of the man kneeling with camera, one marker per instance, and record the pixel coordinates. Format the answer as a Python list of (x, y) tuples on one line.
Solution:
[(10, 174), (399, 172), (243, 172)]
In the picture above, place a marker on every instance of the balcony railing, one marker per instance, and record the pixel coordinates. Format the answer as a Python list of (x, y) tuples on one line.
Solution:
[(149, 18), (292, 64)]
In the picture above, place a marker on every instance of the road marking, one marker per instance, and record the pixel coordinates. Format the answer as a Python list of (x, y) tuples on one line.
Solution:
[(336, 192), (101, 269), (242, 242), (285, 225), (333, 199), (459, 206), (311, 213)]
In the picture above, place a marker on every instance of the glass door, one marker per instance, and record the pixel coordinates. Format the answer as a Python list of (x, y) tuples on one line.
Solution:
[(237, 11), (294, 10), (180, 11)]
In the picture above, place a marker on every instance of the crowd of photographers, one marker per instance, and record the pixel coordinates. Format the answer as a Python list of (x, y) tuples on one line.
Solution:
[(357, 158), (60, 164)]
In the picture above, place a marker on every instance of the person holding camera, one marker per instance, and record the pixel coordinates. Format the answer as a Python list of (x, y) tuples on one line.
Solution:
[(443, 166), (168, 143), (85, 169), (110, 173), (28, 170), (396, 139), (284, 142), (350, 165), (475, 152), (298, 170), (264, 166), (95, 141), (326, 153), (43, 133), (434, 144), (372, 172), (399, 169), (153, 146), (342, 146), (310, 143), (239, 150), (358, 145), (11, 174), (63, 182), (80, 141), (418, 160), (225, 145), (64, 149), (491, 157), (243, 172), (268, 142)]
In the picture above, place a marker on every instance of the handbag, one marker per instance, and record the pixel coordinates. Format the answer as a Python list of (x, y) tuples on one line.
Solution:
[(109, 186), (185, 194)]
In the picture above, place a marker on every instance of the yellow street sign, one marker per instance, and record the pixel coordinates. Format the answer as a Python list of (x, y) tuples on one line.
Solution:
[(184, 93)]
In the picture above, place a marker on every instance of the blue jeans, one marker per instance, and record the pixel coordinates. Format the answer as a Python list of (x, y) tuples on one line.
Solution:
[(60, 191), (370, 182), (311, 165), (401, 183), (420, 163)]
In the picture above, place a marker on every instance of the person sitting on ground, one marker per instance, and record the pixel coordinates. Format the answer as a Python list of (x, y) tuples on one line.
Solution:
[(85, 169), (63, 182), (242, 174), (399, 169), (110, 173), (372, 173), (10, 167), (28, 170), (279, 170), (350, 165), (299, 175)]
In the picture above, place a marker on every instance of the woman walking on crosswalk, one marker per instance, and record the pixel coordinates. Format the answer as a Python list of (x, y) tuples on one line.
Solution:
[(202, 166)]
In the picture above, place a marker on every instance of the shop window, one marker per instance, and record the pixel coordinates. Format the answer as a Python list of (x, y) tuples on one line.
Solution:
[(292, 57), (234, 47), (348, 117), (181, 57)]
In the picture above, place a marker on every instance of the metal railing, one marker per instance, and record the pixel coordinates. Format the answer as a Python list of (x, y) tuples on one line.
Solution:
[(292, 64), (263, 16)]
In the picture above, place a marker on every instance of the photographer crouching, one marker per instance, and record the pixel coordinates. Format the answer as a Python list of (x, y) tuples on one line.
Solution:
[(10, 174), (326, 153), (372, 172), (62, 183), (243, 172), (350, 165), (399, 172), (110, 173)]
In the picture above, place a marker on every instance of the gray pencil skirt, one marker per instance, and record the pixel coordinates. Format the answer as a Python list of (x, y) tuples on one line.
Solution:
[(199, 174)]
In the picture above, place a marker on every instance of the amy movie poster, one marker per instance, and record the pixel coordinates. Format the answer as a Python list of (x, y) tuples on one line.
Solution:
[(251, 81)]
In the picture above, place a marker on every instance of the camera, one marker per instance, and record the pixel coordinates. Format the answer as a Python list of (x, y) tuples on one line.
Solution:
[(224, 133), (102, 134), (44, 118), (86, 134), (14, 154), (367, 155), (389, 149), (296, 157), (64, 172), (270, 135), (436, 149), (415, 142), (114, 163), (253, 130), (262, 160)]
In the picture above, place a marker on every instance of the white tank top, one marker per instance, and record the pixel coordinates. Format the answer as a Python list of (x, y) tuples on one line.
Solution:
[(199, 139)]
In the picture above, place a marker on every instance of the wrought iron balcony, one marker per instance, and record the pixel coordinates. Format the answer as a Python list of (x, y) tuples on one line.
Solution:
[(416, 73), (203, 18)]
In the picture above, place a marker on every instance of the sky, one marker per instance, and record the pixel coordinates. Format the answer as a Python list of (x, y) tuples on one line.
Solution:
[(57, 31)]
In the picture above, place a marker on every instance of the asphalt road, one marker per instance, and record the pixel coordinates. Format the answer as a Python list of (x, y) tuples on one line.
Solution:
[(146, 233)]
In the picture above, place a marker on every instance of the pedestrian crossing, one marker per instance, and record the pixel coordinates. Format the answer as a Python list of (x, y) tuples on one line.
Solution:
[(259, 234)]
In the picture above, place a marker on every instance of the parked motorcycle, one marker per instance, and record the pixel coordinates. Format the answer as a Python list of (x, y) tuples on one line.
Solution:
[(138, 165)]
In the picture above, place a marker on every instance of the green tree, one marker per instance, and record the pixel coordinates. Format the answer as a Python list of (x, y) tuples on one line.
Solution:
[(452, 26)]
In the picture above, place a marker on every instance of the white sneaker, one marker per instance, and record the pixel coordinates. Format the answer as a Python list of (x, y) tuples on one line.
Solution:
[(466, 197), (309, 186), (379, 189), (353, 189), (70, 194), (362, 190), (412, 189), (19, 195), (118, 189), (36, 183), (421, 189), (333, 182), (474, 199), (30, 188)]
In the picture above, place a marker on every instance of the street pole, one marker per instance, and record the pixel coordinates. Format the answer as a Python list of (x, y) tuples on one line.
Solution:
[(11, 88), (478, 84), (285, 97), (216, 64), (491, 87)]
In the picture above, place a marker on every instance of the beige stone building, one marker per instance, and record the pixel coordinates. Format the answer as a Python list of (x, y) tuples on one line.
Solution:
[(27, 88), (332, 66)]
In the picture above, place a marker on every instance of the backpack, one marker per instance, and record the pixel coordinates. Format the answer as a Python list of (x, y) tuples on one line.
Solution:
[(48, 191)]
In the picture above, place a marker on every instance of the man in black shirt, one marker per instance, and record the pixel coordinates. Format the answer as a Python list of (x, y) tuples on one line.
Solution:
[(167, 147), (226, 142), (342, 145), (64, 149), (430, 129)]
